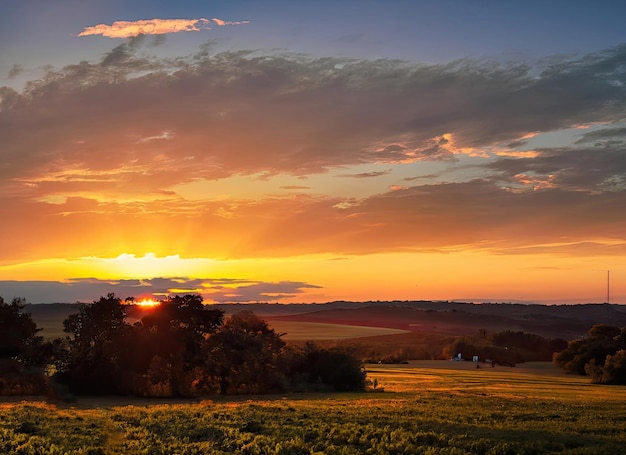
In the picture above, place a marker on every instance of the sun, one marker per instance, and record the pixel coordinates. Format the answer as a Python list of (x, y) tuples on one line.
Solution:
[(147, 303)]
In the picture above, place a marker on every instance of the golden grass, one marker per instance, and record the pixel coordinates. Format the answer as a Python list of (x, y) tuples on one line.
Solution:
[(294, 330), (535, 380), (428, 407)]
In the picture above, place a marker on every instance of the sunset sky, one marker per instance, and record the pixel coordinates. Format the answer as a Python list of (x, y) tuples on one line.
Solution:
[(310, 151)]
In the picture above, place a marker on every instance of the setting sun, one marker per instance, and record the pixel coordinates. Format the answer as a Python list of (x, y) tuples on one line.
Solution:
[(147, 303)]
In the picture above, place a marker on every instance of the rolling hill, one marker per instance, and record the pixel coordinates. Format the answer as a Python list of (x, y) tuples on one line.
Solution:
[(437, 318)]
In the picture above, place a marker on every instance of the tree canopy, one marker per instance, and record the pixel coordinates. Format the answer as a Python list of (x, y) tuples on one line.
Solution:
[(22, 351), (507, 347), (18, 332), (183, 347), (601, 354)]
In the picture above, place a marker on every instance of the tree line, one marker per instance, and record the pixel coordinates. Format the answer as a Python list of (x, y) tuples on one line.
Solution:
[(601, 354), (181, 347), (507, 347)]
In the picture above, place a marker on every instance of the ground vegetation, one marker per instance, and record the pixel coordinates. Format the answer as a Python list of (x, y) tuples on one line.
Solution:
[(432, 409)]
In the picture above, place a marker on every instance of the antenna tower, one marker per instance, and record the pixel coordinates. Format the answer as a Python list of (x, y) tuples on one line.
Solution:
[(608, 286)]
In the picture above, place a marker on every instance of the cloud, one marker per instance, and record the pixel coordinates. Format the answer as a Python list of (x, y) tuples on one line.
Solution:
[(365, 175), (99, 148), (128, 29), (604, 136), (575, 169), (475, 214), (220, 290), (421, 177), (131, 29), (479, 214), (576, 249), (259, 292), (222, 22), (438, 148), (300, 116), (295, 187)]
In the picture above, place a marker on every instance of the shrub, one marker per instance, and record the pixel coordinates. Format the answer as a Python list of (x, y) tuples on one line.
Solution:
[(612, 372), (315, 368), (589, 355)]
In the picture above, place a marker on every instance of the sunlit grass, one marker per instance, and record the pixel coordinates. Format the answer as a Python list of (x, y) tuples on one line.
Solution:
[(296, 330), (539, 380), (427, 407)]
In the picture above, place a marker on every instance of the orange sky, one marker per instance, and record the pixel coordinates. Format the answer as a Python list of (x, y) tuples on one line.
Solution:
[(267, 175)]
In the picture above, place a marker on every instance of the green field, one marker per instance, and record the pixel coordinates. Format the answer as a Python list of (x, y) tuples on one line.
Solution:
[(427, 407)]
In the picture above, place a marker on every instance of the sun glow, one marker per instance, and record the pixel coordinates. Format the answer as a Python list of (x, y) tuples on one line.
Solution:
[(147, 303)]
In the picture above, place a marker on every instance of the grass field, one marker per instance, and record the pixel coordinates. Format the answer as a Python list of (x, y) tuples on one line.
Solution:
[(294, 330), (427, 407)]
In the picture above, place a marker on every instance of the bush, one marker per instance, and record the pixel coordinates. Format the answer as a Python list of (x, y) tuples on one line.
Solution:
[(315, 368), (588, 355), (612, 372), (15, 379)]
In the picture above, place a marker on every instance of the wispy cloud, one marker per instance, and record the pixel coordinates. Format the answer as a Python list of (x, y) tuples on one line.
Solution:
[(222, 23), (220, 290), (130, 29), (365, 175), (295, 187)]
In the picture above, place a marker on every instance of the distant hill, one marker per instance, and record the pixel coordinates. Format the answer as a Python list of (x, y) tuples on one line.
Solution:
[(455, 318), (50, 317), (429, 326), (441, 318)]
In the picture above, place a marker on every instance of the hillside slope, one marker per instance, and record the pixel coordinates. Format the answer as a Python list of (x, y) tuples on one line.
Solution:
[(443, 318), (440, 318)]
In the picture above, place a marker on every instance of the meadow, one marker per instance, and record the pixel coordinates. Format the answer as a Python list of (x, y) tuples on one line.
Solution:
[(437, 407), (316, 331), (51, 323)]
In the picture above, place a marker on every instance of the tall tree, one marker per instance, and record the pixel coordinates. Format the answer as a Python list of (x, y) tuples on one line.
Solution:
[(18, 331), (172, 339), (23, 354), (245, 354), (96, 347)]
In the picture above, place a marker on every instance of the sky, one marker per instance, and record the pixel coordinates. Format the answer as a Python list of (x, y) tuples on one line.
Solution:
[(313, 151)]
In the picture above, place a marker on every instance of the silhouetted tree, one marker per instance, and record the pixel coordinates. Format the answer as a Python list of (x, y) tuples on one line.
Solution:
[(603, 331), (183, 347), (315, 368), (18, 331), (244, 355), (527, 346), (96, 347), (557, 345), (507, 347), (466, 346), (612, 372), (588, 355), (611, 369), (22, 351), (171, 344)]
